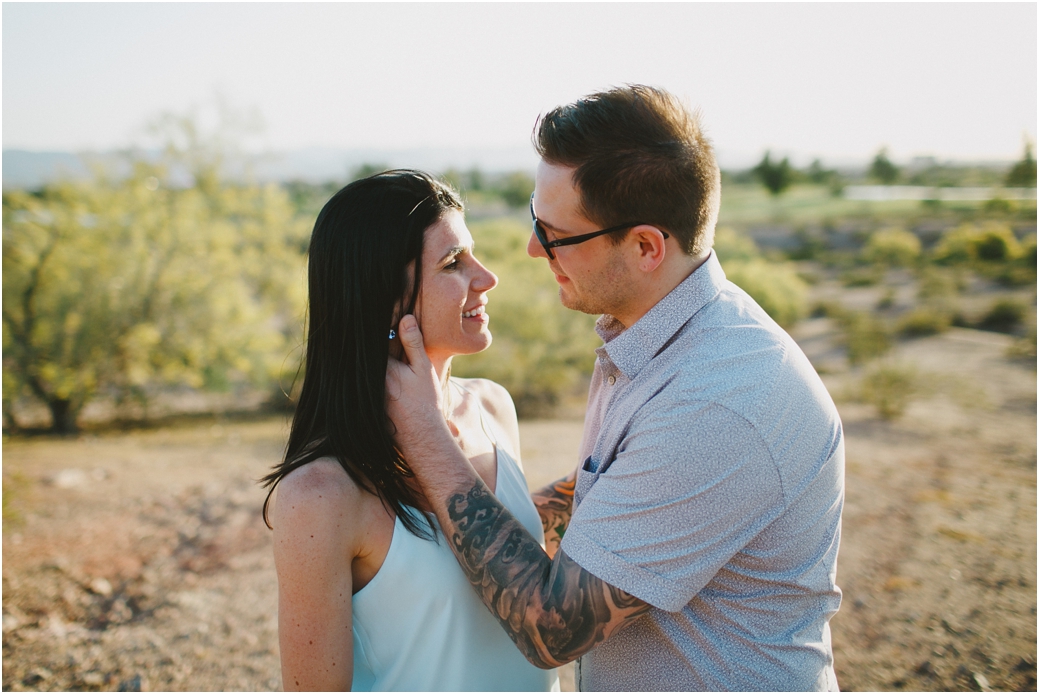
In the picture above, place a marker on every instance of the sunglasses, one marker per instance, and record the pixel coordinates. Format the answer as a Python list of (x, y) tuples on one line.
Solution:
[(539, 231)]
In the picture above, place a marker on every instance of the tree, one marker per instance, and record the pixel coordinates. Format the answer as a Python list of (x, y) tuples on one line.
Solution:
[(1022, 175), (882, 169), (775, 177), (516, 188), (119, 286)]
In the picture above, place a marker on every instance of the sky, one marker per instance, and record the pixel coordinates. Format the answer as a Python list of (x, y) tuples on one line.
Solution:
[(835, 81)]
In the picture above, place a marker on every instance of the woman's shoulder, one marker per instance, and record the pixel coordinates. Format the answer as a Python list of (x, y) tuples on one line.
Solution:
[(493, 397), (314, 489)]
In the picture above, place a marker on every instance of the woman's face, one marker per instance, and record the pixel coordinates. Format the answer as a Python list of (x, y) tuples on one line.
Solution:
[(453, 296)]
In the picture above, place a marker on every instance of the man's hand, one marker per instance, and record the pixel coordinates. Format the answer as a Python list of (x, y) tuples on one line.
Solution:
[(555, 505), (552, 608), (413, 393)]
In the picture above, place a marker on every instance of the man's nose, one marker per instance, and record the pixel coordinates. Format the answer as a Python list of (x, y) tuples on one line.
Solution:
[(534, 247)]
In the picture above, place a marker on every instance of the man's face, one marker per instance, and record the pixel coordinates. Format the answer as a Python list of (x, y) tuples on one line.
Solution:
[(593, 276)]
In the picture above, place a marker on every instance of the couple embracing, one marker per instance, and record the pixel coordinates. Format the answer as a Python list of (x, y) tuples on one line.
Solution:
[(694, 545)]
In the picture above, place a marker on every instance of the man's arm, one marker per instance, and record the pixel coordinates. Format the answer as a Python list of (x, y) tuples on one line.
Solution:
[(552, 608), (555, 504)]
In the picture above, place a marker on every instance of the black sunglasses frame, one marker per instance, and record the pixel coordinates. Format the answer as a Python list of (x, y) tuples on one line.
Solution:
[(573, 240)]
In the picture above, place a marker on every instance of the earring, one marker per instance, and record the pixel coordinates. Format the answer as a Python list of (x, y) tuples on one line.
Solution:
[(393, 333)]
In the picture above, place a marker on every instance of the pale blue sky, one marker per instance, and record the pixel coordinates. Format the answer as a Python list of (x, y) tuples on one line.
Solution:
[(830, 80)]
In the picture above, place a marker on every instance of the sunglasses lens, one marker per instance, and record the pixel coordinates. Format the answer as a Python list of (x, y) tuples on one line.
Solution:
[(540, 233)]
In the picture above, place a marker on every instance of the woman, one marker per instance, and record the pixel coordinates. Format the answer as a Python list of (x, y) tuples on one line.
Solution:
[(370, 596)]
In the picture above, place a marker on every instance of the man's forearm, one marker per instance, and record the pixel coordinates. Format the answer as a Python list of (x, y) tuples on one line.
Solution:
[(555, 504), (552, 609)]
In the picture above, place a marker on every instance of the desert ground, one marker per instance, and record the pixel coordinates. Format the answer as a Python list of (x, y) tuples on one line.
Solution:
[(137, 560)]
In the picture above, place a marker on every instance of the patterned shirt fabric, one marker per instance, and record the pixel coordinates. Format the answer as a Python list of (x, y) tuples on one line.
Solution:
[(711, 487)]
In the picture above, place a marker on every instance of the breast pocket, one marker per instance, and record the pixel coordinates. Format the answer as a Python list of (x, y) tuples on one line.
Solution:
[(586, 477)]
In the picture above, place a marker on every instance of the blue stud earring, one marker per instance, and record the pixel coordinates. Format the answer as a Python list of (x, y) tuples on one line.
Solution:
[(393, 333)]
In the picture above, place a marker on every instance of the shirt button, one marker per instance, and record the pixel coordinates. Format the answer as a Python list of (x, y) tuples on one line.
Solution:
[(611, 380)]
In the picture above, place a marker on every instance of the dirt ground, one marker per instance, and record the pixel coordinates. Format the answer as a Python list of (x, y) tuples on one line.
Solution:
[(138, 560)]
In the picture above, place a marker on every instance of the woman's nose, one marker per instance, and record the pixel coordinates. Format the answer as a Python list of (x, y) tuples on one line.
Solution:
[(485, 280)]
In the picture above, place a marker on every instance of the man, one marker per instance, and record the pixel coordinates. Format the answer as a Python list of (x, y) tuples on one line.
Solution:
[(702, 524)]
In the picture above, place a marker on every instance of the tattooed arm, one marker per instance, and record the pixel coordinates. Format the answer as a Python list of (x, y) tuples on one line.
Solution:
[(552, 608), (555, 503)]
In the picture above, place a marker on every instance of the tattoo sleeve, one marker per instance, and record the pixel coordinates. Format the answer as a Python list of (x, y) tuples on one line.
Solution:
[(552, 609), (555, 504)]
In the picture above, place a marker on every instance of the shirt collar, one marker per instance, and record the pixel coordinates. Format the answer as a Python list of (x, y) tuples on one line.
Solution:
[(631, 349)]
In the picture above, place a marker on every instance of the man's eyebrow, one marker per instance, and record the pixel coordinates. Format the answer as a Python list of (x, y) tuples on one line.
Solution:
[(454, 250)]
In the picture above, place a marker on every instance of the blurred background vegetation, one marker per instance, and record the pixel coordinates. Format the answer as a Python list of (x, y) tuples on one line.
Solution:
[(166, 283)]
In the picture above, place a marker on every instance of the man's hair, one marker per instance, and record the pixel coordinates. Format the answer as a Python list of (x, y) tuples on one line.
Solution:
[(640, 156)]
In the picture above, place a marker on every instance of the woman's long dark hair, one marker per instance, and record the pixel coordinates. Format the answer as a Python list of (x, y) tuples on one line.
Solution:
[(363, 242)]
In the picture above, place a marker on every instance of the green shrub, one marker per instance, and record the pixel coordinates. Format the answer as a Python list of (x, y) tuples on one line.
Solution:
[(889, 388), (996, 244), (864, 336), (733, 246), (1024, 347), (892, 247), (956, 246), (923, 321), (938, 283), (862, 277), (993, 243), (1004, 316), (775, 286)]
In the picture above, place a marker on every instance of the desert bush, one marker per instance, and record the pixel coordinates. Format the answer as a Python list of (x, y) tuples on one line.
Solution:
[(1024, 347), (775, 285), (955, 247), (1004, 316), (541, 351), (865, 336), (996, 243), (938, 284), (862, 277), (731, 246), (923, 321), (991, 243), (889, 387), (892, 247)]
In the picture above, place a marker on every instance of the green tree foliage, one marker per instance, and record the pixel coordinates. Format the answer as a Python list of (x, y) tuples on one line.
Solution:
[(1022, 174), (516, 188), (882, 170), (892, 247), (776, 177), (118, 286), (367, 169)]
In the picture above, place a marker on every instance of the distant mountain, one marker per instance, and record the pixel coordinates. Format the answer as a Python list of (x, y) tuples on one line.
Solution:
[(23, 169), (28, 169)]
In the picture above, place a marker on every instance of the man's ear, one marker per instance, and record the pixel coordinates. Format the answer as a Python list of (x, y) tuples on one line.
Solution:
[(648, 244)]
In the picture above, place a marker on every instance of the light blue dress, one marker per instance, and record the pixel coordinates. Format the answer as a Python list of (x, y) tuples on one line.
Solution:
[(420, 626)]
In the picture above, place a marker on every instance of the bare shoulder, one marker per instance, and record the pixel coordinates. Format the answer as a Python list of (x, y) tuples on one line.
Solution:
[(495, 400), (497, 403), (319, 498)]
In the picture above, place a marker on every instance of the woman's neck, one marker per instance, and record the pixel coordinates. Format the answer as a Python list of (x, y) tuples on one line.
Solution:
[(442, 366)]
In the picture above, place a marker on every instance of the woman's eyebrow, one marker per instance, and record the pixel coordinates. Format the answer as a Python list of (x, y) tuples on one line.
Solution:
[(455, 250)]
